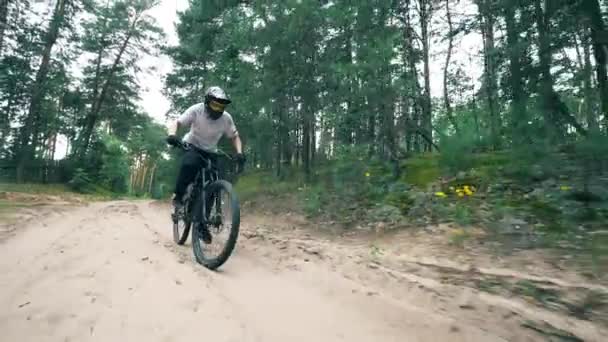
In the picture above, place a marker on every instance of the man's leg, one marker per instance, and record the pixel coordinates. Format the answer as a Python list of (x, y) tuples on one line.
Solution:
[(191, 163)]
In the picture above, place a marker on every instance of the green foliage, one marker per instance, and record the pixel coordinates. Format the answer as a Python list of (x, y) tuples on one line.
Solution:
[(80, 182), (34, 188), (462, 214), (114, 173), (385, 213), (399, 196), (592, 151), (457, 150), (422, 170), (312, 200), (535, 162)]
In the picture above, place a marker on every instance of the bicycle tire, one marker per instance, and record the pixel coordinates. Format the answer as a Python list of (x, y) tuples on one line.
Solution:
[(180, 239), (214, 263)]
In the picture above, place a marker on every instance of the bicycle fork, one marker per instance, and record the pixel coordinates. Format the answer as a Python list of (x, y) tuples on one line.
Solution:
[(207, 199)]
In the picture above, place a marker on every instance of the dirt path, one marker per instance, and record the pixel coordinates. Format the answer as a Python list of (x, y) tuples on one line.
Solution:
[(110, 272)]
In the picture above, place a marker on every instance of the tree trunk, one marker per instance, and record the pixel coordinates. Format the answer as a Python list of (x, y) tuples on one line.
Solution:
[(28, 152), (555, 111), (152, 172), (5, 125), (142, 181), (589, 98), (519, 117), (278, 155), (3, 21), (414, 110), (54, 148), (592, 10), (93, 116), (313, 143), (132, 176), (426, 124), (306, 142), (446, 72), (370, 138), (490, 86)]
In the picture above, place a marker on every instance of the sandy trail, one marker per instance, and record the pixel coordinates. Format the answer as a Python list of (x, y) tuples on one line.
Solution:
[(110, 272)]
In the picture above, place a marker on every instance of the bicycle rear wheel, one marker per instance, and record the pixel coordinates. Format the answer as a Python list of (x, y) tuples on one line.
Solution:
[(223, 219)]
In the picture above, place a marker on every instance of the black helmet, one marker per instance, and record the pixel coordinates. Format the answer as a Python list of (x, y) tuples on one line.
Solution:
[(216, 101)]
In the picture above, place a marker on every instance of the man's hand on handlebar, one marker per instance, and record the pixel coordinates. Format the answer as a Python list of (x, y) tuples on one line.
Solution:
[(173, 140), (240, 160)]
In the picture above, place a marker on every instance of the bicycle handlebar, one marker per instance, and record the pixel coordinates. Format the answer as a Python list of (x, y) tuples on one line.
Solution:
[(187, 146)]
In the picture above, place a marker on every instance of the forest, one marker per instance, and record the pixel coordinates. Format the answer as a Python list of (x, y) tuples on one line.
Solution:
[(384, 102)]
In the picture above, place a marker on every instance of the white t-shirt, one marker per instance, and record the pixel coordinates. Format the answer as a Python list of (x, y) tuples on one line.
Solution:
[(205, 132)]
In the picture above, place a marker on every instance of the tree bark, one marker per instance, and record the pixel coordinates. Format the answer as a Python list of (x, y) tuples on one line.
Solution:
[(151, 182), (446, 72), (426, 124), (592, 124), (54, 148), (142, 181), (306, 142)]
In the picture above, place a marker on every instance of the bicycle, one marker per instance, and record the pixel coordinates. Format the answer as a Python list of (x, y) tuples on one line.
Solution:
[(203, 209)]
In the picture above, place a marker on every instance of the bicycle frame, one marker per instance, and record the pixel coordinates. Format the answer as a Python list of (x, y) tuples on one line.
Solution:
[(206, 175)]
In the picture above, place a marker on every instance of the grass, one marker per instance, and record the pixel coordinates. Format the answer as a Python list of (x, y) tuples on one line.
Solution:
[(96, 193), (48, 189), (463, 215), (421, 171)]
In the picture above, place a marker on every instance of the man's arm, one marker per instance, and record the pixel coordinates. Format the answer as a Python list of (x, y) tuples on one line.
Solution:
[(233, 134), (173, 127), (238, 145), (183, 120)]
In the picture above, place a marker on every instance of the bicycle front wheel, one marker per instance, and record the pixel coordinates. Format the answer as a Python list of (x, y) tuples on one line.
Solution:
[(181, 227), (214, 241)]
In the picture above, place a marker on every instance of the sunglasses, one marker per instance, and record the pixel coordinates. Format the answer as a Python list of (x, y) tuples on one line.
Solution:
[(217, 106)]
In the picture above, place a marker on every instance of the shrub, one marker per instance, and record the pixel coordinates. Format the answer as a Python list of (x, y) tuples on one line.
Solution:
[(80, 182)]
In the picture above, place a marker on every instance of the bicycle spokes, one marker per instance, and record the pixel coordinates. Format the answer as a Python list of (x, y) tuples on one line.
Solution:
[(219, 222)]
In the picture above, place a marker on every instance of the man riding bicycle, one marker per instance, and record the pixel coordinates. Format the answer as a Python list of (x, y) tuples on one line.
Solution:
[(208, 122)]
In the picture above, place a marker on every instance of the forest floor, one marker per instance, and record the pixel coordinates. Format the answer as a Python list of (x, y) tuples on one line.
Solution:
[(75, 270)]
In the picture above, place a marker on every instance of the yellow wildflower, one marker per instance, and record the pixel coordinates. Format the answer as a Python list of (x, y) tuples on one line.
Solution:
[(367, 174), (441, 194), (460, 194)]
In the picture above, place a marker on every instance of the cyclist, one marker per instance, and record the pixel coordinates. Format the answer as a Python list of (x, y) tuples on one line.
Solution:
[(208, 122)]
